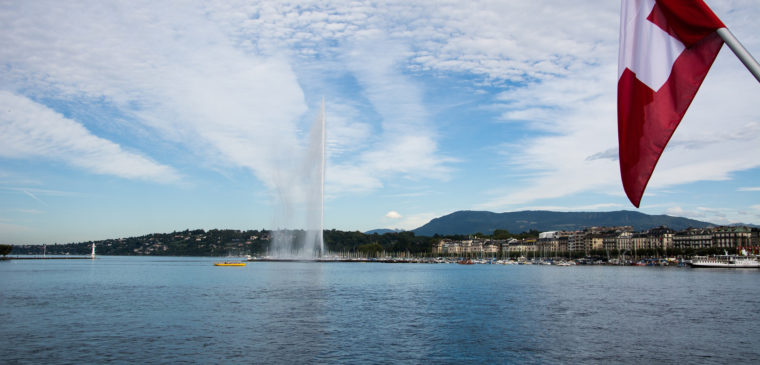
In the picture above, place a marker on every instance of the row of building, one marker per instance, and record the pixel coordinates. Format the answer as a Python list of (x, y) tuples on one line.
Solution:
[(610, 239)]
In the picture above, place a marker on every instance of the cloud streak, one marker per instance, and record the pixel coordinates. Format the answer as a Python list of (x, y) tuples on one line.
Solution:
[(30, 130), (167, 92), (171, 71)]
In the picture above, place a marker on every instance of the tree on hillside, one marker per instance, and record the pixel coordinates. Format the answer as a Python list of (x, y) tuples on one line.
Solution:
[(5, 249), (501, 234), (370, 249)]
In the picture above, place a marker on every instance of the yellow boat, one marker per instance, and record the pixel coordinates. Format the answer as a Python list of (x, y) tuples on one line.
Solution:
[(229, 263)]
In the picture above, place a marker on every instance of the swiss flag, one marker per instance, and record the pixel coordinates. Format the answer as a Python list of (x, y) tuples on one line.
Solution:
[(666, 49)]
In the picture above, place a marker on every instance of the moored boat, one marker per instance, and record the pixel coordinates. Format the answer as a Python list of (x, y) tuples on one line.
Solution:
[(229, 263), (732, 261)]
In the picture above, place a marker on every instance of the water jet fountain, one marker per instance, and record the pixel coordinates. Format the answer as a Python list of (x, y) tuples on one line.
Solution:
[(300, 201)]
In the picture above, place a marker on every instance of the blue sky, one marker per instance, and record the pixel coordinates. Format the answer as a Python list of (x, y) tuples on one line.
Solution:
[(126, 118)]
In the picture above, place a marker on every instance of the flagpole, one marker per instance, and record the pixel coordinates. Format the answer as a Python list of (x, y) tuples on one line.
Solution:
[(740, 51)]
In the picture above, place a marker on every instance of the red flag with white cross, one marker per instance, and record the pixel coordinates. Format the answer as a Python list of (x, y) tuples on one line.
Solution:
[(666, 49)]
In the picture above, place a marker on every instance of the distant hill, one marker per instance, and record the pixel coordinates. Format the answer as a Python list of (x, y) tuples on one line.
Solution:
[(744, 225), (382, 231), (468, 222)]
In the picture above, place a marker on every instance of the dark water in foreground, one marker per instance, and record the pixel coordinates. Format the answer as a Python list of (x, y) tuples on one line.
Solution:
[(138, 310)]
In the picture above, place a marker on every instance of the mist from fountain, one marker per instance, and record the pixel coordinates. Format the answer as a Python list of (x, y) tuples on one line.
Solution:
[(299, 225)]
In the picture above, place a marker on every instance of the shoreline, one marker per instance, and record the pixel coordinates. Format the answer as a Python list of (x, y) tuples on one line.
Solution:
[(47, 258)]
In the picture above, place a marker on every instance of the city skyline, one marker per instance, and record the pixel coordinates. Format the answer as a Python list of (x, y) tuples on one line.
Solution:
[(122, 119)]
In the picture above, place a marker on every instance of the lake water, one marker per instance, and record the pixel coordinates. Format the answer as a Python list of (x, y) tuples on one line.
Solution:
[(168, 310)]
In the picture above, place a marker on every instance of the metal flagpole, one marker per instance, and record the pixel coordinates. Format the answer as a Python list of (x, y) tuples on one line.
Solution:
[(740, 52)]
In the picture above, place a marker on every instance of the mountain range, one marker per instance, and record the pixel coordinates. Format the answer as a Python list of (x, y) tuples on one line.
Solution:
[(382, 231), (469, 222)]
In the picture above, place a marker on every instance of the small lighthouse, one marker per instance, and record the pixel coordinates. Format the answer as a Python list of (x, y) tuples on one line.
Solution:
[(92, 255)]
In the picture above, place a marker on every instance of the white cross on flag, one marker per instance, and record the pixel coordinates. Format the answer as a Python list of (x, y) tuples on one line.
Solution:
[(666, 49)]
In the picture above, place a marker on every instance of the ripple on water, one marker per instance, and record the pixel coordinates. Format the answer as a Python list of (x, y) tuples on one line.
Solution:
[(138, 310)]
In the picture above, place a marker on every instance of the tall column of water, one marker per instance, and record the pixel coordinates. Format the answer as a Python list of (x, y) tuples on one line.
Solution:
[(300, 199), (321, 237)]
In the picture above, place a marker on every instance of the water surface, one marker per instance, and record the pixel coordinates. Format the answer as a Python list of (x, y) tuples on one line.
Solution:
[(145, 309)]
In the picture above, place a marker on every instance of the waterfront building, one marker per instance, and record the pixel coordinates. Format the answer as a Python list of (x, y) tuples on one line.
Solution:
[(639, 241), (661, 237), (562, 242), (524, 247), (491, 248), (446, 246), (732, 237), (594, 241), (553, 241), (609, 241), (623, 241), (454, 248), (576, 241), (437, 248), (693, 238), (472, 246)]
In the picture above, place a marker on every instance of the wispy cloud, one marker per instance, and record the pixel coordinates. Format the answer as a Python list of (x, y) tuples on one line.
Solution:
[(380, 44), (406, 146), (716, 215), (417, 220), (173, 72), (29, 211), (230, 85), (38, 191), (749, 188), (575, 115), (591, 207), (29, 130), (224, 87), (34, 197)]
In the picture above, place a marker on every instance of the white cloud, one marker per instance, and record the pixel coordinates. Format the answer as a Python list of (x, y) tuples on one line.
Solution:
[(165, 67), (750, 188), (346, 133), (719, 215), (417, 220), (591, 207), (46, 192), (393, 215), (29, 130), (406, 145), (220, 82), (575, 115), (226, 80), (379, 43)]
